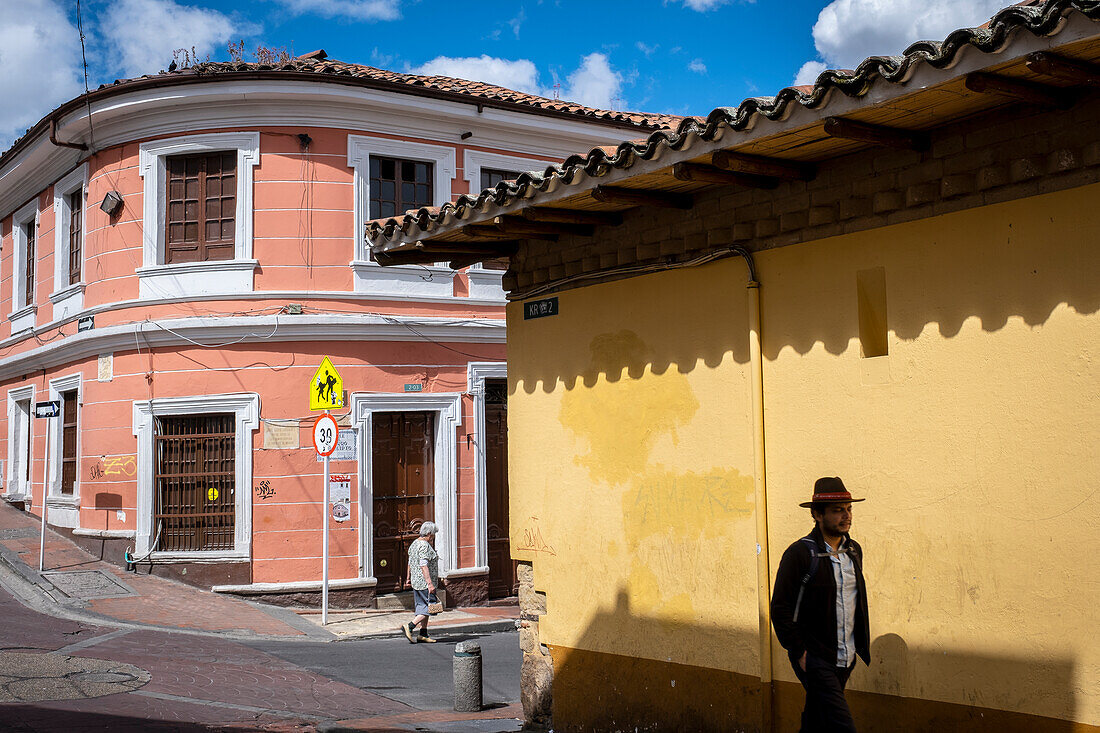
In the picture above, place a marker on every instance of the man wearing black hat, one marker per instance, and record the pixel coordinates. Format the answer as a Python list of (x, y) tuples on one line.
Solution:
[(819, 608)]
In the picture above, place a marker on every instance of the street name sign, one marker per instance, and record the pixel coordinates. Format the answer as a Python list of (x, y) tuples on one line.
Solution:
[(47, 409)]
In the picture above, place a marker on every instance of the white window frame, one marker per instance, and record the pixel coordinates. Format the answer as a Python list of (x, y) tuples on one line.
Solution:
[(68, 299), (159, 280), (448, 407), (17, 484), (246, 410), (399, 280), (24, 310), (64, 510), (474, 160), (476, 374)]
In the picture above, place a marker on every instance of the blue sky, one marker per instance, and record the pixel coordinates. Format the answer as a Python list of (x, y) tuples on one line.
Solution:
[(678, 56)]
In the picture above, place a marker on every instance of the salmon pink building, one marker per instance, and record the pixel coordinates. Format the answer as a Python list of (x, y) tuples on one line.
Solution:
[(179, 254)]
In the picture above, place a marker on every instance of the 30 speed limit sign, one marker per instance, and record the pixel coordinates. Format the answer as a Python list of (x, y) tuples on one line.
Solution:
[(325, 432)]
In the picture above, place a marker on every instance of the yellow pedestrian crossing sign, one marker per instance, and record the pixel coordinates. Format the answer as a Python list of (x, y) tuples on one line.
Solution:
[(326, 389)]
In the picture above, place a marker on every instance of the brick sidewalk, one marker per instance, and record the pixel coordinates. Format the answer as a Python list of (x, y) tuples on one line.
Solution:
[(164, 603)]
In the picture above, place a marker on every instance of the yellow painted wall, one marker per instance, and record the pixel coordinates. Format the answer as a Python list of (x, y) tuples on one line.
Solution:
[(631, 467), (974, 441)]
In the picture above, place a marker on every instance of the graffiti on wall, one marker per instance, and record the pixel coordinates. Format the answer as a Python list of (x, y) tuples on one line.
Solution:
[(533, 540), (113, 467)]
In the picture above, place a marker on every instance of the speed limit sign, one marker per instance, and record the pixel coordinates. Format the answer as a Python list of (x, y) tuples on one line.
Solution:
[(325, 433)]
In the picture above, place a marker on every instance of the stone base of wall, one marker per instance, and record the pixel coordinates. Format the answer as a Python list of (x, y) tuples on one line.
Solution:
[(537, 671), (337, 598), (470, 590)]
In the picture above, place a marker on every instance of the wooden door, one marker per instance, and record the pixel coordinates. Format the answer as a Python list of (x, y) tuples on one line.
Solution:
[(403, 479), (502, 569)]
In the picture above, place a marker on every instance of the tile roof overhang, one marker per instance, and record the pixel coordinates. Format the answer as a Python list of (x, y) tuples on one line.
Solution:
[(324, 70), (1034, 52)]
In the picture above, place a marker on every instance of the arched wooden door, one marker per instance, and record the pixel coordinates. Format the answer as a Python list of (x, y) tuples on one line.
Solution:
[(502, 569), (403, 480)]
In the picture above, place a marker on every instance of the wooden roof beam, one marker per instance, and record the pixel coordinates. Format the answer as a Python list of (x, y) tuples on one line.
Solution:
[(522, 226), (492, 231), (573, 216), (494, 249), (1020, 90), (709, 174), (876, 134), (1076, 72), (758, 166), (639, 197)]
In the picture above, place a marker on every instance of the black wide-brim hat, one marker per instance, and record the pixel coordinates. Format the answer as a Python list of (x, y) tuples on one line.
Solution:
[(830, 490)]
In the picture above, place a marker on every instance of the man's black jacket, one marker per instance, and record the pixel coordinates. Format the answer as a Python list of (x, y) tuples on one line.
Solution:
[(816, 628)]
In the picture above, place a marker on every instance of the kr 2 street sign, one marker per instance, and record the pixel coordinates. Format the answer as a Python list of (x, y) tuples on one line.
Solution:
[(326, 389)]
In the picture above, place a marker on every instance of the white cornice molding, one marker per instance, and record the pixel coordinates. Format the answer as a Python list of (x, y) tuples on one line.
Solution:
[(244, 329), (223, 103)]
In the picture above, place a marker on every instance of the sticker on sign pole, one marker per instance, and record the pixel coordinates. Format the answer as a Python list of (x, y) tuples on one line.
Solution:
[(325, 433)]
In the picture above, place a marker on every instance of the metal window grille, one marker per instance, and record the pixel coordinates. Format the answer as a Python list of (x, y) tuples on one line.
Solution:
[(76, 213), (195, 492)]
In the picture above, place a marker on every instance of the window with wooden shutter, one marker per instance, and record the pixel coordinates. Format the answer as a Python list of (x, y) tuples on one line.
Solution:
[(490, 177), (195, 465), (398, 185), (202, 207), (69, 408), (28, 292), (76, 221)]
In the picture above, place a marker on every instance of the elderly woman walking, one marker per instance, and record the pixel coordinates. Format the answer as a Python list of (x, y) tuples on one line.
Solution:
[(423, 576)]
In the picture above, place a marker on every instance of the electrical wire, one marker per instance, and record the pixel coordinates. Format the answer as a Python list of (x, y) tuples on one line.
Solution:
[(87, 90)]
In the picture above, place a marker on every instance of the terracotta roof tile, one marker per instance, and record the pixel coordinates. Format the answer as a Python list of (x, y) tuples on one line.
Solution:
[(415, 82), (1033, 16), (325, 68)]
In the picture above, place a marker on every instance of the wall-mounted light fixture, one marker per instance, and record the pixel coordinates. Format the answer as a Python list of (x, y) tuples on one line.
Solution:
[(111, 203)]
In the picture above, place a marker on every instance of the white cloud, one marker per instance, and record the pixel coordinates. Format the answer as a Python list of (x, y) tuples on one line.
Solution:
[(808, 73), (697, 66), (517, 22), (848, 31), (39, 65), (647, 50), (521, 75), (142, 34), (368, 10), (703, 6), (593, 83)]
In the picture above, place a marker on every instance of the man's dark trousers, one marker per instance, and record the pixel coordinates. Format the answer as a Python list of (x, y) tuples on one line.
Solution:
[(826, 709)]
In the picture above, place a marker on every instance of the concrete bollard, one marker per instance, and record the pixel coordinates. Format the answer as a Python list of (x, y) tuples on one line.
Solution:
[(467, 676)]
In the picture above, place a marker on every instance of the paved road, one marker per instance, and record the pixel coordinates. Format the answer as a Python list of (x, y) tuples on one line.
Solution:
[(418, 675), (65, 675)]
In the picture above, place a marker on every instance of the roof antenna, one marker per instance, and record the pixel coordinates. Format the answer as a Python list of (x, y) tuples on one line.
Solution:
[(557, 90)]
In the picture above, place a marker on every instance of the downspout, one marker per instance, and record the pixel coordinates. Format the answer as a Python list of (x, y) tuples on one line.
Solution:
[(763, 566), (59, 143)]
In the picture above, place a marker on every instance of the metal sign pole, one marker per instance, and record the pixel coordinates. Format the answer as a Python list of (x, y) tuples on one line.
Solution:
[(324, 550), (45, 493)]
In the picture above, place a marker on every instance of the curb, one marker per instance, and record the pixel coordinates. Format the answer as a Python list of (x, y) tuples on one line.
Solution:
[(485, 627)]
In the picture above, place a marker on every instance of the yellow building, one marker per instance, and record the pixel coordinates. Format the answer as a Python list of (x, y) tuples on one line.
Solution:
[(892, 277)]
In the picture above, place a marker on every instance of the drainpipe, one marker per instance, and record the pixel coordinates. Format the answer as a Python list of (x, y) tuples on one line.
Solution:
[(763, 567), (59, 143)]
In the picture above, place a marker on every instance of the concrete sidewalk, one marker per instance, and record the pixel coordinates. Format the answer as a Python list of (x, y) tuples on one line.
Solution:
[(78, 586)]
